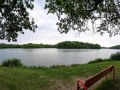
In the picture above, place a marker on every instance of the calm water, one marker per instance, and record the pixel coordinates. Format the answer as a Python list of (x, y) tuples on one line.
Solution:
[(49, 57)]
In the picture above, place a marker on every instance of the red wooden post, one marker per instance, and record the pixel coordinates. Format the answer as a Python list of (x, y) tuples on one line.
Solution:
[(113, 73), (106, 76), (81, 85)]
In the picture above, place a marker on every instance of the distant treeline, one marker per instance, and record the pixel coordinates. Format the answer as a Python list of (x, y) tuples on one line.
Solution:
[(62, 45), (29, 45), (115, 47), (77, 45)]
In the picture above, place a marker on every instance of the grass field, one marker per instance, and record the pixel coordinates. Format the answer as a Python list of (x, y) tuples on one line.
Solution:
[(55, 78)]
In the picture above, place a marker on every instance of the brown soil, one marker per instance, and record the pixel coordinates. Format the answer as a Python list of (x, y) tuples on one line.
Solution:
[(62, 85)]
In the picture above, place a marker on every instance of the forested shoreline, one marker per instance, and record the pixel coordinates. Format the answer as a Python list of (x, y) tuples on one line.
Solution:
[(29, 45), (115, 47), (61, 45)]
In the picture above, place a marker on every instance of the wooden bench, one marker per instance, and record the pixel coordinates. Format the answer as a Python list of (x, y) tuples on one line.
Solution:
[(92, 80)]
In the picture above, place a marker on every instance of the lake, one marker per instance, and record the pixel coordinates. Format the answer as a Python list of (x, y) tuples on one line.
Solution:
[(53, 56)]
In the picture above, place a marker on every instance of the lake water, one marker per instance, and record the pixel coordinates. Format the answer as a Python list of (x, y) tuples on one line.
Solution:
[(49, 57)]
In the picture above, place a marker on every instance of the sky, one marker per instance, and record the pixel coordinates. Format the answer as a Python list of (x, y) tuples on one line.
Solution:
[(47, 32)]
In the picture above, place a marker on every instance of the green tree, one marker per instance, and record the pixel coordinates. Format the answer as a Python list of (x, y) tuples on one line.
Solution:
[(115, 47), (76, 15), (14, 18), (77, 45)]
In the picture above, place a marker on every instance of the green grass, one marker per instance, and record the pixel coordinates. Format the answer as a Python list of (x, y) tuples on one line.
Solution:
[(109, 84), (54, 78)]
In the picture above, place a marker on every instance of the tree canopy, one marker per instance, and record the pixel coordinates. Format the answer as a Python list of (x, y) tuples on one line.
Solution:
[(14, 18), (76, 15), (77, 45), (115, 47), (29, 45)]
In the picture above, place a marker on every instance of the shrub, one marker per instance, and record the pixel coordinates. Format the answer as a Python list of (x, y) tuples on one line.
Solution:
[(96, 60), (115, 56), (57, 66), (12, 62), (75, 64), (38, 67)]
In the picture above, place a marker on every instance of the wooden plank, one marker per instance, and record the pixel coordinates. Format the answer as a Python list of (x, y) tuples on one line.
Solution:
[(89, 82)]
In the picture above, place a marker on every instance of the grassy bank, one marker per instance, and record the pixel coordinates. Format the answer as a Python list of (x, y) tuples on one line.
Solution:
[(57, 78)]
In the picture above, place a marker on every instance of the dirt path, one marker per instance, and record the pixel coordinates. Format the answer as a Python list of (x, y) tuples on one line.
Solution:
[(61, 85)]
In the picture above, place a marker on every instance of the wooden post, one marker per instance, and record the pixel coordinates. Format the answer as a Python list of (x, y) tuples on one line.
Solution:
[(81, 85), (113, 73)]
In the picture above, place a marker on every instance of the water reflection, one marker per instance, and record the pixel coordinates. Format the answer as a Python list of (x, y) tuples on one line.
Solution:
[(77, 50)]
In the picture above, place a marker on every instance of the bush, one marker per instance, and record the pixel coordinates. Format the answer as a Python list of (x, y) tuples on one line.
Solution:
[(38, 67), (96, 60), (57, 66), (115, 56), (12, 62)]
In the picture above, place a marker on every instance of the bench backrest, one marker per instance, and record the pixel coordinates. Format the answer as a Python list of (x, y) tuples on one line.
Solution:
[(92, 80)]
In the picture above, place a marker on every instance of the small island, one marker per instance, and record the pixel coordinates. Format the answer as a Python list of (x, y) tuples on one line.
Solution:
[(77, 45)]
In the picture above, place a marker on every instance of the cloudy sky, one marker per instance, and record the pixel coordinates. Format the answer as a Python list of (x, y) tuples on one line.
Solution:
[(47, 33)]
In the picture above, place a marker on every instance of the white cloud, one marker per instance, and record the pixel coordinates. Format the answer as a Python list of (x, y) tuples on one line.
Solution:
[(40, 15)]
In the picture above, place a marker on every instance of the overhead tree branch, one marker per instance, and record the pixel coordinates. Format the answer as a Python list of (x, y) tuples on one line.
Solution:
[(76, 16)]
